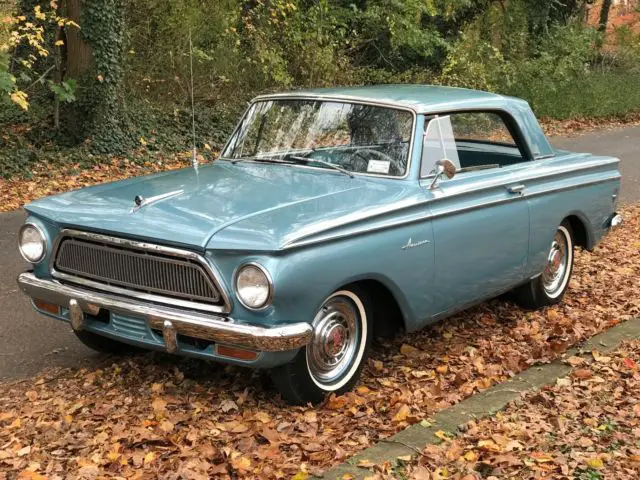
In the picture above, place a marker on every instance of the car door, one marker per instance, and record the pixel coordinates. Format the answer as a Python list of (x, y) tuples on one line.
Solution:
[(480, 217)]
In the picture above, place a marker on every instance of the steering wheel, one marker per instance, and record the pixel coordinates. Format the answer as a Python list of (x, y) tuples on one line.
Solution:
[(359, 160)]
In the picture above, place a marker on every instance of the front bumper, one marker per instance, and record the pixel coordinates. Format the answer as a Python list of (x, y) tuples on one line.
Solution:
[(170, 321)]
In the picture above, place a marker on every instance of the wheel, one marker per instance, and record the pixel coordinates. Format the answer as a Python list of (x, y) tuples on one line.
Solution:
[(334, 358), (105, 344), (549, 287)]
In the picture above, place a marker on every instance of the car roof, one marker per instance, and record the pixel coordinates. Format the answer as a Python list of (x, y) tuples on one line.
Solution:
[(419, 98)]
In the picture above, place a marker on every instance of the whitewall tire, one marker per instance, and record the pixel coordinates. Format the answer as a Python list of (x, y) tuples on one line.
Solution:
[(334, 358), (549, 287)]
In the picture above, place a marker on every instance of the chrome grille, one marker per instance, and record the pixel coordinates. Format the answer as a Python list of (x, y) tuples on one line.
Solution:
[(138, 270)]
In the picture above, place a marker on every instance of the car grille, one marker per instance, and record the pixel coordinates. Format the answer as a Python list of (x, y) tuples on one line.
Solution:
[(138, 270)]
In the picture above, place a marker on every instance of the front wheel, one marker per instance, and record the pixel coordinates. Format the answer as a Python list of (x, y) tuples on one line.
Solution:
[(549, 287), (334, 358)]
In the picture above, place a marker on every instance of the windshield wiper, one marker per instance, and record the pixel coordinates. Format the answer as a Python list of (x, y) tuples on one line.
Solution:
[(242, 159), (308, 161), (292, 160)]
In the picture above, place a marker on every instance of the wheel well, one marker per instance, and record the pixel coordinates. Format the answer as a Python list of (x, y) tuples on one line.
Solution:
[(388, 319), (580, 234)]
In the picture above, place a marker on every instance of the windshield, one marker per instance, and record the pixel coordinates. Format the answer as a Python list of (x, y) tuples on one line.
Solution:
[(356, 137)]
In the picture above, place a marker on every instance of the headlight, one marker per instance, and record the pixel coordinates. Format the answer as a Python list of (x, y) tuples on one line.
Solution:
[(32, 243), (253, 286)]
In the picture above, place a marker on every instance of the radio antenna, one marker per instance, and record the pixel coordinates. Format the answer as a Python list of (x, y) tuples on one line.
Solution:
[(194, 157)]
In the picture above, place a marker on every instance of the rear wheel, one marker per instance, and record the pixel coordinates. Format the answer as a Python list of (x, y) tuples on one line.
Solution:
[(334, 358), (105, 344), (549, 287)]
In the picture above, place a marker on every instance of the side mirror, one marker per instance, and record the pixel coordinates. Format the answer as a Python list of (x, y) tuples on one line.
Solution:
[(444, 167)]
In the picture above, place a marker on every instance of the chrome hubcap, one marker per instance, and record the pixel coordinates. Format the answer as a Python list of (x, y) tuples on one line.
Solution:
[(557, 265), (336, 335)]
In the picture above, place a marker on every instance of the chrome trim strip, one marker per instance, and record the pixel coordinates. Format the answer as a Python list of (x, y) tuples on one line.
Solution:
[(147, 297), (305, 241), (337, 98), (333, 98), (266, 273), (350, 219), (574, 186), (44, 243), (492, 101), (206, 327), (150, 247), (533, 164)]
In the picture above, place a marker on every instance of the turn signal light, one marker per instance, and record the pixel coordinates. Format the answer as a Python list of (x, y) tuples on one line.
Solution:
[(51, 308), (239, 353)]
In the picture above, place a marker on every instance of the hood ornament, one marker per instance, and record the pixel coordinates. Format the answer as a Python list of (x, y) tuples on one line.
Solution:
[(140, 201)]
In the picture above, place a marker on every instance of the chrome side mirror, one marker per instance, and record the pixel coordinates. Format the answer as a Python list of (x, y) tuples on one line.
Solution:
[(444, 167)]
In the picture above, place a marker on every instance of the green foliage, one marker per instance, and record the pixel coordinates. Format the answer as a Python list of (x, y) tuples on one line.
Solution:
[(595, 94), (498, 53), (64, 91), (139, 83), (28, 35), (103, 28)]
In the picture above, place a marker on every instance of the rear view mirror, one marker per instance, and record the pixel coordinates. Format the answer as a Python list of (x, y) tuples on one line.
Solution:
[(448, 168), (444, 167)]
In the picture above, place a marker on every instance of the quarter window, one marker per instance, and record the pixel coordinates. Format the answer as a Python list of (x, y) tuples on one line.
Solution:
[(471, 140)]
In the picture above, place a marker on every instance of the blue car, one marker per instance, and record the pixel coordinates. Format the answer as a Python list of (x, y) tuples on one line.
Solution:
[(331, 216)]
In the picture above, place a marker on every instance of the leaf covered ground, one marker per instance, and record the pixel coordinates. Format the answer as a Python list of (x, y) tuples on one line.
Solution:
[(159, 416), (47, 179), (585, 427)]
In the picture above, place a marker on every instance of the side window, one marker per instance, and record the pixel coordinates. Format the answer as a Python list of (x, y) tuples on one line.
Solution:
[(471, 140)]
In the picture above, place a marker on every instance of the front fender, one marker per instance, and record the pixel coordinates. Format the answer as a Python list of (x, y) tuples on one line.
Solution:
[(304, 277)]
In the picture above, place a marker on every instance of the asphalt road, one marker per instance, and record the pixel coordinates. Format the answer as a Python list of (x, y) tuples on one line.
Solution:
[(31, 342)]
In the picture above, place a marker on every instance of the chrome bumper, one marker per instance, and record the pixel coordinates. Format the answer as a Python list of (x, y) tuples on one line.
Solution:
[(170, 321)]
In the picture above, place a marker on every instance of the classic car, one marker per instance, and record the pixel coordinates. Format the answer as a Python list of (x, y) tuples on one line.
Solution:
[(331, 215)]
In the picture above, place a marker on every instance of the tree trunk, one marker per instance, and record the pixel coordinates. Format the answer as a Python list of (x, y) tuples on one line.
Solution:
[(79, 56), (604, 15)]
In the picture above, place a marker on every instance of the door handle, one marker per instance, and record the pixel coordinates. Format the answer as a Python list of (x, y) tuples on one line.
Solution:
[(519, 189)]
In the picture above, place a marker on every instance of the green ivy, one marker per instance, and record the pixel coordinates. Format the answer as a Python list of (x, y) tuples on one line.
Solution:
[(103, 27)]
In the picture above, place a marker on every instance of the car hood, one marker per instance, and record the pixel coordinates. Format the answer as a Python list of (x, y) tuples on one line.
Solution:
[(243, 206)]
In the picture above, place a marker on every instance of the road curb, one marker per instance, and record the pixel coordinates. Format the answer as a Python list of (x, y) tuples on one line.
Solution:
[(413, 439)]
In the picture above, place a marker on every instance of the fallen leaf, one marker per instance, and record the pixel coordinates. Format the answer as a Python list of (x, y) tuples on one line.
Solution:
[(24, 451), (575, 361), (582, 373), (595, 463), (166, 426), (262, 417), (489, 445), (158, 405), (149, 458), (241, 463), (402, 413), (541, 457), (409, 350), (600, 358), (228, 405), (470, 456)]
